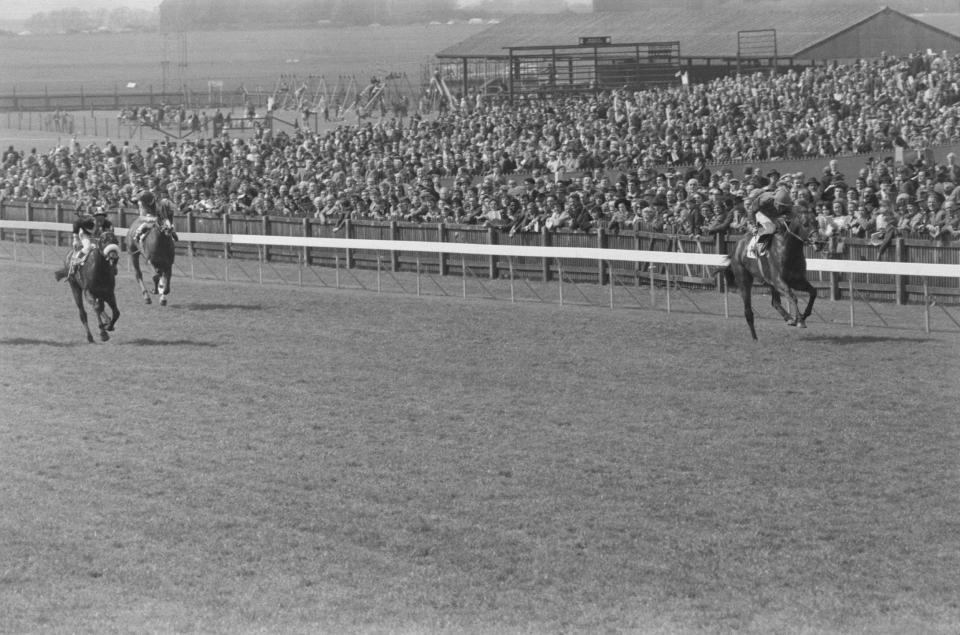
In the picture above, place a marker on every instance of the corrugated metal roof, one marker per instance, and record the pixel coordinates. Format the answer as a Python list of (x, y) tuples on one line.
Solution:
[(709, 33)]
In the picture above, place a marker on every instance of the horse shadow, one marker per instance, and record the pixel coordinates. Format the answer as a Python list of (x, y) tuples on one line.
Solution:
[(201, 306), (847, 340), (28, 341), (144, 341)]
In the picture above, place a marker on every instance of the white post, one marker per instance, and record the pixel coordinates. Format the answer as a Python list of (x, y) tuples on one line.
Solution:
[(850, 289)]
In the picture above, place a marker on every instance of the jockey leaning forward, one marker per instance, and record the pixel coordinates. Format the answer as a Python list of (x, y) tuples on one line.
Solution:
[(152, 213), (763, 209), (85, 228)]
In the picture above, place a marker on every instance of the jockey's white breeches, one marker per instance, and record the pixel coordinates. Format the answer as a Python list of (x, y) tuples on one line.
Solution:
[(769, 226)]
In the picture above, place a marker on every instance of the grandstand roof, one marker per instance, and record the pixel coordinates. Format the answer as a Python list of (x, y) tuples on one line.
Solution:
[(702, 34)]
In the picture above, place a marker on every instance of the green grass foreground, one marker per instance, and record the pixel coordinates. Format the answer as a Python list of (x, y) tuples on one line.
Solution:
[(266, 459)]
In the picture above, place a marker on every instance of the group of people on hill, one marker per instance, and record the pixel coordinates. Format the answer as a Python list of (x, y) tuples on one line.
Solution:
[(617, 160)]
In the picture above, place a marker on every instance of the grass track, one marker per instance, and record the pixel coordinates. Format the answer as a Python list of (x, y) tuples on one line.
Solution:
[(266, 459)]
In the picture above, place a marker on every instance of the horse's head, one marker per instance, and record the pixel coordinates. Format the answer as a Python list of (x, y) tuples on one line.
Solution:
[(804, 226), (109, 246)]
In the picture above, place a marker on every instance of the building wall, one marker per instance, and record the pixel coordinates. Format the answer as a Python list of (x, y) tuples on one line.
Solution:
[(887, 32)]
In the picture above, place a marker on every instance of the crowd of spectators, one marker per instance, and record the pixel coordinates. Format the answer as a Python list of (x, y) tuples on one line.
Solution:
[(650, 160)]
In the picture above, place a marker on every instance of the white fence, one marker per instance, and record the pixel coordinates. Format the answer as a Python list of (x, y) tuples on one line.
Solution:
[(921, 270)]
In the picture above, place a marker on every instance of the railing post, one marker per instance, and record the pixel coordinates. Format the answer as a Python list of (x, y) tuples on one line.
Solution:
[(834, 276), (492, 240), (58, 217), (306, 234), (348, 233), (265, 230), (191, 228), (899, 281), (226, 230), (394, 255), (442, 235), (28, 216), (545, 264), (601, 264)]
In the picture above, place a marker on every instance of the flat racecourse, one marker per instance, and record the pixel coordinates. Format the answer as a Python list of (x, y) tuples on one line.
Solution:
[(267, 459)]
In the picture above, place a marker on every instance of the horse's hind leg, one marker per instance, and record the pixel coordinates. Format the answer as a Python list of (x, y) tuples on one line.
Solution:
[(746, 285)]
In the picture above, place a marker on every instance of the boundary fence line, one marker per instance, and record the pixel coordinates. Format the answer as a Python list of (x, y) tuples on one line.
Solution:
[(924, 270)]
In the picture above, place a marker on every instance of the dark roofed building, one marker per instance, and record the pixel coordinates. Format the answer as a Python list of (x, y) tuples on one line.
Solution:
[(722, 39)]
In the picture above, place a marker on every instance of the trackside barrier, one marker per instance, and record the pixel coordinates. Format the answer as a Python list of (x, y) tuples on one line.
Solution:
[(921, 270)]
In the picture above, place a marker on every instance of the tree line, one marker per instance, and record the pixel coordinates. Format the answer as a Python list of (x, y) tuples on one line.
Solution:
[(177, 14)]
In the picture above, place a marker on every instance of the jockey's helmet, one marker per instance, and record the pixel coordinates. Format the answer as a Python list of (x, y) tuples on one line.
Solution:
[(782, 200), (147, 198)]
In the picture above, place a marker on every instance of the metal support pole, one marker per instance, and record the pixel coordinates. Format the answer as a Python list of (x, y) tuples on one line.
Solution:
[(379, 287), (653, 292), (260, 263), (926, 306), (610, 282), (337, 268), (418, 275), (850, 288), (667, 269), (560, 275)]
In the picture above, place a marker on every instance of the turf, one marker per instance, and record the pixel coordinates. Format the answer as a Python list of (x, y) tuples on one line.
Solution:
[(268, 459)]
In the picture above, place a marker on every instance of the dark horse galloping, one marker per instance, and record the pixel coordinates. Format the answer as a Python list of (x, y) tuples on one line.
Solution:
[(783, 267), (158, 249), (96, 278)]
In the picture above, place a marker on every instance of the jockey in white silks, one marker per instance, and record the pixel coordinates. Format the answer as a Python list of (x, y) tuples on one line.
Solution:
[(152, 214), (763, 209)]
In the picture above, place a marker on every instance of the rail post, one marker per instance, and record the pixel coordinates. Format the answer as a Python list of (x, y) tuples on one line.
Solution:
[(900, 281), (394, 255)]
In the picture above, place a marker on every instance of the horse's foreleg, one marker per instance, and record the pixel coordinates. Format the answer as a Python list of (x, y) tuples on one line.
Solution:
[(135, 262), (805, 286), (156, 283), (114, 311), (777, 290), (102, 320), (78, 298), (164, 287)]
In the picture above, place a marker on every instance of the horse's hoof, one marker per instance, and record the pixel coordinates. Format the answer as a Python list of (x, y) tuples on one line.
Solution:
[(791, 322), (163, 300), (147, 300), (90, 339), (801, 325), (104, 336)]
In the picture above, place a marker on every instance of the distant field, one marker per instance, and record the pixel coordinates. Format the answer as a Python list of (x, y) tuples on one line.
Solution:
[(101, 62)]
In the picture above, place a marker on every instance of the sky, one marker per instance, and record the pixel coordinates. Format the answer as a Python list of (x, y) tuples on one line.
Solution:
[(23, 9)]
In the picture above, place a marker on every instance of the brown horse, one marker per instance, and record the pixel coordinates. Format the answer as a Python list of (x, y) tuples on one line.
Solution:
[(96, 279), (783, 267), (158, 248)]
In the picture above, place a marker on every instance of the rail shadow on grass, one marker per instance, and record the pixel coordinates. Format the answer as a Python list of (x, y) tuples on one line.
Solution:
[(28, 341), (143, 341), (213, 306), (861, 339)]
